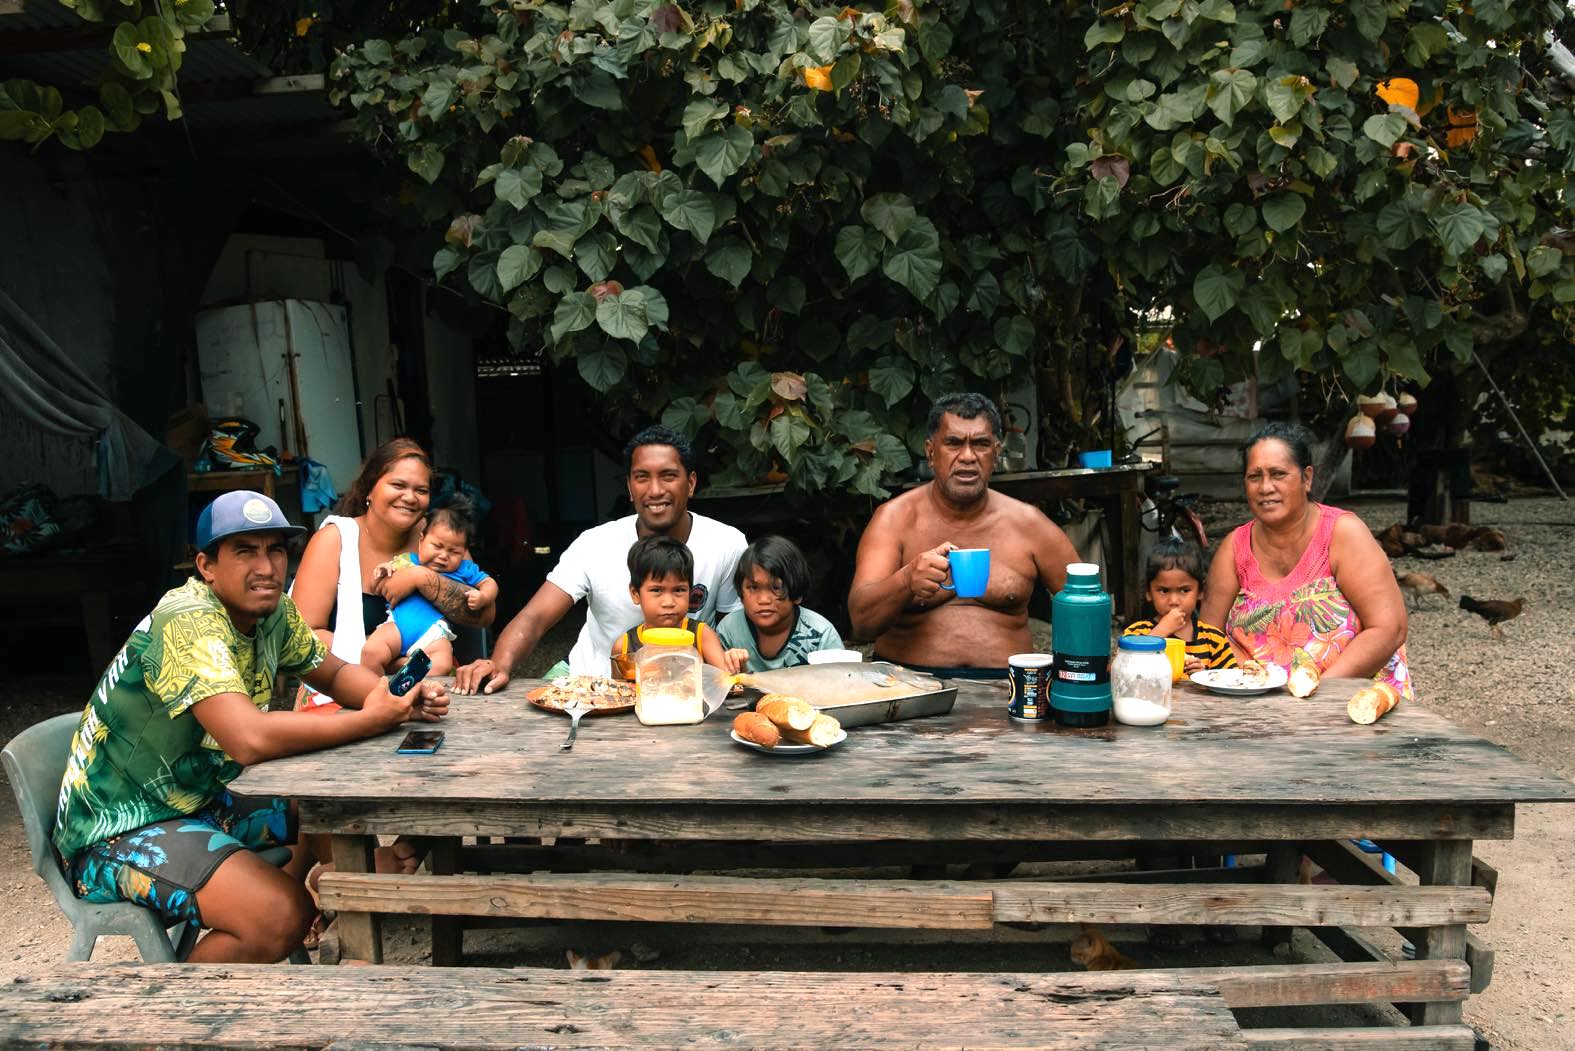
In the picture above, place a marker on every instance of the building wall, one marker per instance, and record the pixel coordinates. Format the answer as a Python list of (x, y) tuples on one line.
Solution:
[(451, 394), (58, 268)]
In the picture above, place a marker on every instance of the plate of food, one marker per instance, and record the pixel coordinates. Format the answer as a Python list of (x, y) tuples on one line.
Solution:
[(1249, 680), (599, 696), (782, 725)]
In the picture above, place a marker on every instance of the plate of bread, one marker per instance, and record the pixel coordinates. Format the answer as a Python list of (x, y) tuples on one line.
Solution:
[(783, 725)]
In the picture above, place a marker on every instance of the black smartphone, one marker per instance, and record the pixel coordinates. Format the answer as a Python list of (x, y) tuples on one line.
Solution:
[(405, 679), (420, 742)]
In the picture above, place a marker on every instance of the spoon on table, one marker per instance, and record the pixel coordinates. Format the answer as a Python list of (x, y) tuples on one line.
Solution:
[(576, 710)]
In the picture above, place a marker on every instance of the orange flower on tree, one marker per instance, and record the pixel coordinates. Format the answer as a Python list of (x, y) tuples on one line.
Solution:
[(1462, 127), (1400, 91), (817, 77)]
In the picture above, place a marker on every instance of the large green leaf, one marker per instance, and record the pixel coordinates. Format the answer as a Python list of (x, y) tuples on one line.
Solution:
[(686, 416), (1216, 289), (622, 318), (602, 365), (517, 187), (1460, 226), (890, 213), (789, 432), (575, 311), (691, 210), (891, 378), (1283, 211), (914, 262), (721, 153), (516, 265), (730, 259), (595, 254), (1384, 128), (1229, 91), (1015, 335), (858, 249)]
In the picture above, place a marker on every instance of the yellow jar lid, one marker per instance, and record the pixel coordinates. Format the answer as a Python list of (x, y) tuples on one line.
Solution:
[(667, 637)]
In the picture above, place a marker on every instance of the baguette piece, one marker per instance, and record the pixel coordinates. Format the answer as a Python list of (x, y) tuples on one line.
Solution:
[(1369, 704), (822, 733), (752, 726), (789, 713)]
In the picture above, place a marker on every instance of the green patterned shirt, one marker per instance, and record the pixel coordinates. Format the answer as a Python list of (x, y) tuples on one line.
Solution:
[(139, 754)]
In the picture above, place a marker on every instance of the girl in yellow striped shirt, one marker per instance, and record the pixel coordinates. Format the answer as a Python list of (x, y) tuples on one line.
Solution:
[(1174, 587)]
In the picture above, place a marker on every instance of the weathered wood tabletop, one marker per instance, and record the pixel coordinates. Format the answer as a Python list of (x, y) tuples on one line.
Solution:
[(244, 1006), (1271, 752)]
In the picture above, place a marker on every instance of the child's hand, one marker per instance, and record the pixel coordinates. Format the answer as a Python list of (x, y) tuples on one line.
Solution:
[(1194, 664), (473, 600), (383, 572), (735, 660), (1168, 625)]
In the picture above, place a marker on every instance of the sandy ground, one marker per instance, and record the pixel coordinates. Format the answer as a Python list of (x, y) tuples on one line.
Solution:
[(1518, 693)]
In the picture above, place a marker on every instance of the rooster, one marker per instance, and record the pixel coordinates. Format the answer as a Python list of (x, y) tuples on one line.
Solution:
[(1494, 611), (1415, 585)]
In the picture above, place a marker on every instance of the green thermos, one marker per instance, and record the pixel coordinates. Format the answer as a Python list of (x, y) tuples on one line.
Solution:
[(1080, 626)]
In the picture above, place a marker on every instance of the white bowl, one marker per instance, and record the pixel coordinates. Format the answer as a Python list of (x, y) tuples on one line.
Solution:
[(835, 657)]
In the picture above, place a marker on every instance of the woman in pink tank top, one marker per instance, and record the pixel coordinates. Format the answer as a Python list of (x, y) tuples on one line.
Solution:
[(1305, 576)]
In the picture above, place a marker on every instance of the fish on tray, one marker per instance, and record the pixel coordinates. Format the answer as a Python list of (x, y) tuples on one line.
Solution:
[(824, 685)]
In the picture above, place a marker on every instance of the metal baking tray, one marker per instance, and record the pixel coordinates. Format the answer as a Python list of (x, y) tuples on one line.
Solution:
[(860, 694)]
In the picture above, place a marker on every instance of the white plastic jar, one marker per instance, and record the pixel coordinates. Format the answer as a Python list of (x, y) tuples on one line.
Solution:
[(1140, 681)]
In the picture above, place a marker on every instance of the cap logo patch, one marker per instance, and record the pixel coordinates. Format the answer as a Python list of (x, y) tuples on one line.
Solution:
[(255, 511)]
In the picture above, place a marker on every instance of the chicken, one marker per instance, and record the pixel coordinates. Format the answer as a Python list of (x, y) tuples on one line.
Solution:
[(1415, 585), (1494, 611)]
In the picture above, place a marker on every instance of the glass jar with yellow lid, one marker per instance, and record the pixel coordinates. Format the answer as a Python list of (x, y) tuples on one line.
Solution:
[(667, 677)]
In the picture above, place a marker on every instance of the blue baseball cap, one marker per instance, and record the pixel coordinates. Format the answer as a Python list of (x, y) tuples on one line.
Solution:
[(241, 511)]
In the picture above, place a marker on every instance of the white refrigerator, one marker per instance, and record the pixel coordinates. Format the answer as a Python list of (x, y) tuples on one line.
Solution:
[(287, 366)]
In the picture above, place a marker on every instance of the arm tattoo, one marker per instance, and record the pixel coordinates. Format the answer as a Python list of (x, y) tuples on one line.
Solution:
[(449, 597)]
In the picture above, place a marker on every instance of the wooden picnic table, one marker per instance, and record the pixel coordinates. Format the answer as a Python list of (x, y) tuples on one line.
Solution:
[(1277, 775)]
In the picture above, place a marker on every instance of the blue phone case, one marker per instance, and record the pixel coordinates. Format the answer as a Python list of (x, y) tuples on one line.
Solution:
[(402, 750)]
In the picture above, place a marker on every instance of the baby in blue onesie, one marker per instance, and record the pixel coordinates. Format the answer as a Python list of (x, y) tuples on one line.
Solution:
[(416, 623)]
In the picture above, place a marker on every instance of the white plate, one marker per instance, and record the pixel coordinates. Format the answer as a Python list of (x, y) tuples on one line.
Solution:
[(1227, 681), (788, 749)]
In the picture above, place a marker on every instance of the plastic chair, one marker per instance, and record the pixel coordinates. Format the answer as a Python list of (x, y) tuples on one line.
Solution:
[(35, 762)]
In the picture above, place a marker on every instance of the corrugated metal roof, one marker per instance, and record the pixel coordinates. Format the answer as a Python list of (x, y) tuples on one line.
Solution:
[(41, 14), (204, 61)]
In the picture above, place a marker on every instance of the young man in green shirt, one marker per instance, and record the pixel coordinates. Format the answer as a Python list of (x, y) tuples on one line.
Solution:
[(144, 814)]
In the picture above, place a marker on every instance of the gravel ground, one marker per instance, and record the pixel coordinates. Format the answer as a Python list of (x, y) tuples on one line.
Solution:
[(1518, 693)]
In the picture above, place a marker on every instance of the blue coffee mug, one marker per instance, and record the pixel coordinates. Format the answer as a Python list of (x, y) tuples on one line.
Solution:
[(970, 571)]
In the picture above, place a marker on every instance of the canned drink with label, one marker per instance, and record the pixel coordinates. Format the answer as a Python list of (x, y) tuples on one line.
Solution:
[(1029, 675)]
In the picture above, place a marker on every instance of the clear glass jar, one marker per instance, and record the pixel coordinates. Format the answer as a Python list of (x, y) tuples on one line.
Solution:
[(1140, 679), (667, 678)]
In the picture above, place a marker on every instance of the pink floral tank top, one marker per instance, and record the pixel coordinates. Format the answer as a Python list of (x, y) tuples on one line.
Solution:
[(1304, 610)]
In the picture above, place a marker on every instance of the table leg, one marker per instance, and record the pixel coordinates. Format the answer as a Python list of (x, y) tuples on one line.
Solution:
[(1284, 865), (360, 933), (448, 932), (1443, 863), (1128, 535)]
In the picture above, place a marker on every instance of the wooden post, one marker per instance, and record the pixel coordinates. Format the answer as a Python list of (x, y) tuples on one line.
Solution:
[(1283, 865), (361, 934), (1443, 862), (448, 932)]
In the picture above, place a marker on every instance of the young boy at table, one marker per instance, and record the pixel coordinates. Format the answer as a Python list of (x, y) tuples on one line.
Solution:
[(774, 628), (661, 572), (1174, 588)]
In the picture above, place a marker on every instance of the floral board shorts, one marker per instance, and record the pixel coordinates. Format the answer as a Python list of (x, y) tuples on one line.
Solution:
[(162, 866)]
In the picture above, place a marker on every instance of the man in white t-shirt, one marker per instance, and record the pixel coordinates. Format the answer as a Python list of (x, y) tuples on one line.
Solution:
[(661, 478)]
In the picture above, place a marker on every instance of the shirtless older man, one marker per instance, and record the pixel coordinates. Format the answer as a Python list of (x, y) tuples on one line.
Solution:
[(897, 598)]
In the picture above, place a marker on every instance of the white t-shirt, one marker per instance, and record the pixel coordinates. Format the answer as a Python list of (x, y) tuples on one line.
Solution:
[(596, 568)]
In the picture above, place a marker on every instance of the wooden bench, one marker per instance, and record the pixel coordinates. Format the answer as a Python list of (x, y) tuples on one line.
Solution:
[(253, 1006)]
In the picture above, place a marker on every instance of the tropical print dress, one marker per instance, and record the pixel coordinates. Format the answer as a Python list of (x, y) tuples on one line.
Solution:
[(1304, 610)]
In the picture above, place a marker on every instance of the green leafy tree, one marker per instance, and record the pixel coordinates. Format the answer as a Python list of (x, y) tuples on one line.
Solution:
[(787, 226), (145, 52)]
